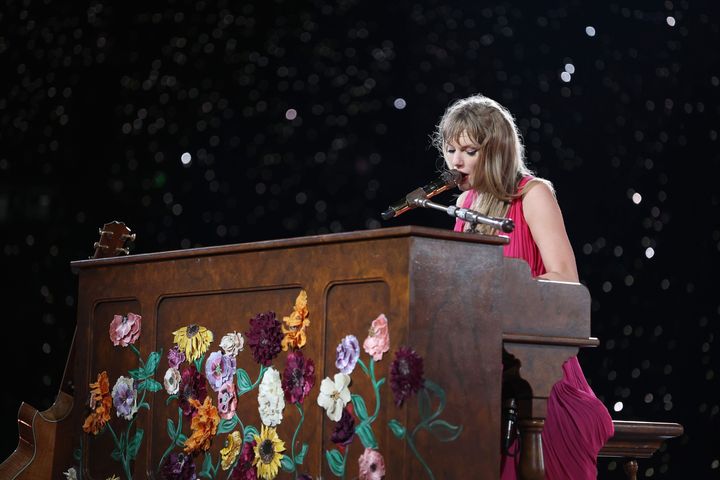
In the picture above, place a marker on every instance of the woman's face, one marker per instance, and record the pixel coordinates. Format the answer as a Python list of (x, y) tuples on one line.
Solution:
[(463, 156)]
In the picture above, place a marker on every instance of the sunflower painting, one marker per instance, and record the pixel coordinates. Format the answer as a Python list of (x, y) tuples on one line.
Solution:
[(267, 453), (193, 340)]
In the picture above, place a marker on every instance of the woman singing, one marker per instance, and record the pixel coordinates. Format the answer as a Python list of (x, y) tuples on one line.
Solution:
[(478, 137)]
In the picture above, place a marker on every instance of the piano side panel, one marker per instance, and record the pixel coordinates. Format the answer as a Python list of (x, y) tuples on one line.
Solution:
[(116, 361), (457, 316), (351, 306)]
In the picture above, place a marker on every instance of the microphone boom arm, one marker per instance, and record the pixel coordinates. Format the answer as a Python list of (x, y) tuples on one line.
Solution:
[(417, 199)]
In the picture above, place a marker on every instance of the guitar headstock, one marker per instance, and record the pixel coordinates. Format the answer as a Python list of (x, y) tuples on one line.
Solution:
[(114, 240)]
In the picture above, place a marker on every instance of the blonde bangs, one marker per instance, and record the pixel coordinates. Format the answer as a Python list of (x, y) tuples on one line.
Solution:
[(455, 125)]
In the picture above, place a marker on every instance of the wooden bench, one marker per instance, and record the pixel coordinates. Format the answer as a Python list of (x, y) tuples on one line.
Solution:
[(633, 440)]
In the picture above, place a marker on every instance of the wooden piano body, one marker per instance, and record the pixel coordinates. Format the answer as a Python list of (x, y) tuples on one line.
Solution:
[(452, 298)]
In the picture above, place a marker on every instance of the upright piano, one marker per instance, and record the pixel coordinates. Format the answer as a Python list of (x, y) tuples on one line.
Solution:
[(430, 406)]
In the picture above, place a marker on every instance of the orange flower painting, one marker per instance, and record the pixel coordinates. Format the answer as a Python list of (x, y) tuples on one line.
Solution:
[(100, 403), (294, 326), (203, 426)]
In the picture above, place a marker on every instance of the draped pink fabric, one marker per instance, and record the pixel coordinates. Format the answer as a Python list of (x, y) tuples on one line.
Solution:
[(577, 423)]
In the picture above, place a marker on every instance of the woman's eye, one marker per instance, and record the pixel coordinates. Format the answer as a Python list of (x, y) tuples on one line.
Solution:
[(471, 152), (450, 150)]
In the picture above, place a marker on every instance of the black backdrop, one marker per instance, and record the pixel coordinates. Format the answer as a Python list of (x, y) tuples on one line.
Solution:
[(310, 117)]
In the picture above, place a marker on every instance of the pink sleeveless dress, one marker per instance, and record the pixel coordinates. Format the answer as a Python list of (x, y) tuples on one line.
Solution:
[(577, 423)]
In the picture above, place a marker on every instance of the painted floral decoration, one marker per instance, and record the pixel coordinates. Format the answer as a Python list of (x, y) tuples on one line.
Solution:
[(406, 374), (100, 403), (298, 377), (371, 465), (193, 341), (244, 468), (271, 400), (203, 426), (227, 401), (344, 430), (178, 466), (231, 450), (192, 387), (171, 381), (124, 396), (334, 395), (268, 453), (127, 395), (175, 357), (247, 453), (264, 337), (378, 339), (125, 329), (219, 369), (348, 352), (232, 343), (294, 325)]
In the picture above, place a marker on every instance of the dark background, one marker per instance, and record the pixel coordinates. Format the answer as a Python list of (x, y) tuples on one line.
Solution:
[(99, 100)]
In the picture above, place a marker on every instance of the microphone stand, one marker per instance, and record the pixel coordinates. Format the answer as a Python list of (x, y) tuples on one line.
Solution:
[(418, 199)]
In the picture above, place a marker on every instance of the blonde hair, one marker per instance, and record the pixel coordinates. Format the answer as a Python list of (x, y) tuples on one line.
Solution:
[(502, 159)]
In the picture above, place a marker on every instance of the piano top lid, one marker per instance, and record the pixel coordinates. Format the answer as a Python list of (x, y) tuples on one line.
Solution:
[(355, 236)]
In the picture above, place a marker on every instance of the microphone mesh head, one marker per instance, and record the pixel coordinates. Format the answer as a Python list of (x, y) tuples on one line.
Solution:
[(451, 177)]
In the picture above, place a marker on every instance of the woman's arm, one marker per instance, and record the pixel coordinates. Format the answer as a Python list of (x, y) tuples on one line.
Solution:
[(543, 216)]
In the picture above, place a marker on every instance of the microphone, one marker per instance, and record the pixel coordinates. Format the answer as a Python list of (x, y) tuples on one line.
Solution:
[(509, 418), (449, 179)]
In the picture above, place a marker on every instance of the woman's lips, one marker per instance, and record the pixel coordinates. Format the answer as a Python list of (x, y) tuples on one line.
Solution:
[(464, 182)]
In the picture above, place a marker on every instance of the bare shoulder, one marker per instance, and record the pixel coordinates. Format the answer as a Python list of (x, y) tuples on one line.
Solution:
[(538, 191), (541, 208)]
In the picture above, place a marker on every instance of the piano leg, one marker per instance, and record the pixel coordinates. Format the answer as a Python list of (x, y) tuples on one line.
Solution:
[(531, 458)]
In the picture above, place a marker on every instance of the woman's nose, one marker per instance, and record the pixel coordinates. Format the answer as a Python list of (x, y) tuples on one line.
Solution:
[(456, 159)]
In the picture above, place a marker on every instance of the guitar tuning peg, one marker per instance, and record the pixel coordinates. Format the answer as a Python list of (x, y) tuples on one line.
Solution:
[(99, 245), (122, 250), (130, 237)]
